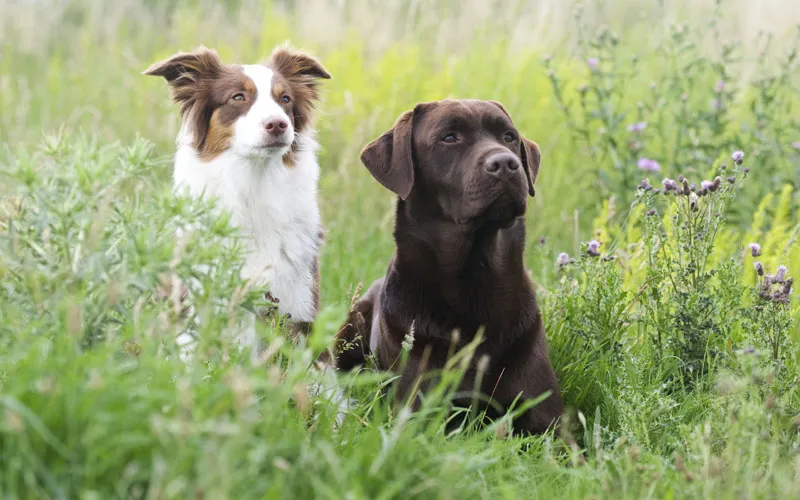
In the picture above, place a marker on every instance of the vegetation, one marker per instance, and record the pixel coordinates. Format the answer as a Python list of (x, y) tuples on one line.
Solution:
[(662, 240)]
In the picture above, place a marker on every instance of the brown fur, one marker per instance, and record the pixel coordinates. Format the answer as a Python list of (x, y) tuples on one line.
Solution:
[(204, 88), (458, 263)]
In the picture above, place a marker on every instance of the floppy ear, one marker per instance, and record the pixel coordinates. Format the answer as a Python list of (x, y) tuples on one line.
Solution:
[(529, 152), (295, 63), (531, 158), (185, 73), (186, 67), (390, 159)]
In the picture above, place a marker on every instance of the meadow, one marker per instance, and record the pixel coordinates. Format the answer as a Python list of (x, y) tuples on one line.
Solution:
[(662, 241)]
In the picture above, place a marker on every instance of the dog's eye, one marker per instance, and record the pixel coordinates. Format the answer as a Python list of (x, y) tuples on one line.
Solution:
[(286, 99), (509, 137), (449, 138), (238, 97)]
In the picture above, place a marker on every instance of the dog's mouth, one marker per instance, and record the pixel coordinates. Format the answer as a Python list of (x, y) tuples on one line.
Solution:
[(505, 209), (276, 144)]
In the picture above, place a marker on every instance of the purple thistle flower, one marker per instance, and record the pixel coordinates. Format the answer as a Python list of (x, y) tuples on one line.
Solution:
[(755, 249), (732, 179), (707, 185), (648, 165), (651, 212), (745, 170), (759, 267), (669, 184), (645, 185), (780, 274), (593, 248), (637, 127), (563, 259), (593, 63), (737, 157)]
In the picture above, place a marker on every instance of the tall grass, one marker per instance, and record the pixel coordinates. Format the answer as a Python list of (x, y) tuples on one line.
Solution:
[(680, 370)]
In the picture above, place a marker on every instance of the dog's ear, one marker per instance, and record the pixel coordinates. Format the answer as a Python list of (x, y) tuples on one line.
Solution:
[(531, 158), (530, 154), (186, 71), (390, 159), (297, 64), (186, 68)]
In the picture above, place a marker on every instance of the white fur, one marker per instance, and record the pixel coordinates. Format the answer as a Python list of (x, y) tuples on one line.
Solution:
[(273, 205)]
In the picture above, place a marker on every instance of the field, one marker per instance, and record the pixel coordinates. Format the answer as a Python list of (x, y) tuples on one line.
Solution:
[(676, 349)]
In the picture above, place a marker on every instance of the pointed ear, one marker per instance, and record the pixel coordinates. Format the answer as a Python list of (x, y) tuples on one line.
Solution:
[(531, 158), (187, 67), (390, 158), (529, 153)]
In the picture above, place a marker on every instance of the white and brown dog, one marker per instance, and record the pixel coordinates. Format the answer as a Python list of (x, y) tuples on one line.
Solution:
[(246, 139)]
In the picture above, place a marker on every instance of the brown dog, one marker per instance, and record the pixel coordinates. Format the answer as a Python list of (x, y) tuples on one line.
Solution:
[(462, 174)]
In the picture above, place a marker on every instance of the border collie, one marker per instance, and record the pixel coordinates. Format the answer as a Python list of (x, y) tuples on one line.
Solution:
[(246, 139)]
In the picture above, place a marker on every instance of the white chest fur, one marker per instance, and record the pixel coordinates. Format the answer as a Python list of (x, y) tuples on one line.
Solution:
[(275, 208)]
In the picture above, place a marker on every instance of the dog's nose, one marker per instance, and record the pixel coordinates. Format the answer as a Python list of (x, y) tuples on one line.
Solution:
[(498, 163), (276, 126)]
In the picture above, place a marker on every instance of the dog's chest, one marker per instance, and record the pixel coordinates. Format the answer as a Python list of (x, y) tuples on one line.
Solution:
[(273, 205)]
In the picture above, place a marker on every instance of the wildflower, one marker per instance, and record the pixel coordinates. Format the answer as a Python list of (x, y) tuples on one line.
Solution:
[(732, 179), (593, 63), (669, 184), (759, 267), (686, 190), (720, 86), (651, 212), (723, 167), (715, 184), (745, 170), (715, 104), (780, 274), (542, 240), (737, 157), (796, 144), (637, 127), (755, 249), (563, 259), (706, 185), (648, 165), (593, 248), (645, 185)]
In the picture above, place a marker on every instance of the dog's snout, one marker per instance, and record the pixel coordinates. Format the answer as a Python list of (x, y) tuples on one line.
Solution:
[(276, 126), (498, 163)]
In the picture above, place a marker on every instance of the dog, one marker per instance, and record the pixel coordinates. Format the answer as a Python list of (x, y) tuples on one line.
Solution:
[(461, 173), (246, 139)]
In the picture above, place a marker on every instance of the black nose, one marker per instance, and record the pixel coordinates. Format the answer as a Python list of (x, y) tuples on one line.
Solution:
[(500, 163)]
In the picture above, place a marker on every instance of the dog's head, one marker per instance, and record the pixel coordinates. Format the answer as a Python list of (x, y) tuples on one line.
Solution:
[(462, 158), (251, 110)]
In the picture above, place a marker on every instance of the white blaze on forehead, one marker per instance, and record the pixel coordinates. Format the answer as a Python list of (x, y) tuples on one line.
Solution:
[(250, 132)]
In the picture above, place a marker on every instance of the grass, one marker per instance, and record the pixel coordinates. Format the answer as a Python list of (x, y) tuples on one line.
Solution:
[(681, 377)]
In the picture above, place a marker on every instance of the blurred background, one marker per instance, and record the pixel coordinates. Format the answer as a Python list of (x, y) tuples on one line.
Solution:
[(705, 78)]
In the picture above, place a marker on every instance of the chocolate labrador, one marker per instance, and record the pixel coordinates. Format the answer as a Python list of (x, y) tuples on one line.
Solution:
[(462, 174)]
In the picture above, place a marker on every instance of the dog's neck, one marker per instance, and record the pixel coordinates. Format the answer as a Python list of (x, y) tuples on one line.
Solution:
[(441, 251)]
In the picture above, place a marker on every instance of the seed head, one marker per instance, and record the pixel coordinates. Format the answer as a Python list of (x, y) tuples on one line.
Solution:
[(755, 249)]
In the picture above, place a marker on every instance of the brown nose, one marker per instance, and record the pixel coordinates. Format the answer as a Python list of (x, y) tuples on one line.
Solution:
[(501, 163), (276, 126)]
